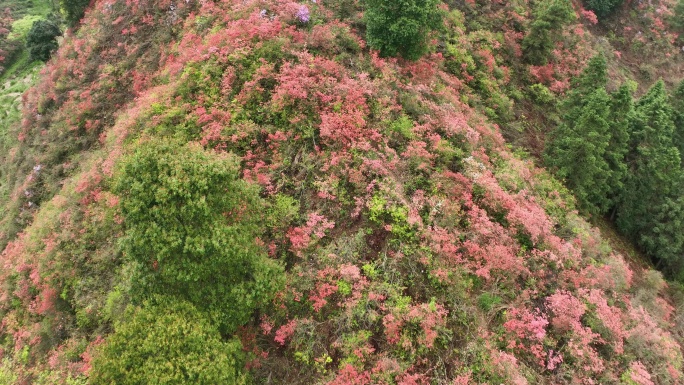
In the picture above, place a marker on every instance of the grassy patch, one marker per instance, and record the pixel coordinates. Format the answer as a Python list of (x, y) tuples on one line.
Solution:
[(21, 27)]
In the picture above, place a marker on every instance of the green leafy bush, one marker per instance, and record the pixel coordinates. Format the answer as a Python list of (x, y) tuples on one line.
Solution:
[(191, 229), (402, 27), (41, 40), (7, 374), (542, 94), (169, 342)]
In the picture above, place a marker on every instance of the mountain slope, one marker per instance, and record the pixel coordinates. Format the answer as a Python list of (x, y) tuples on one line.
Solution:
[(415, 247)]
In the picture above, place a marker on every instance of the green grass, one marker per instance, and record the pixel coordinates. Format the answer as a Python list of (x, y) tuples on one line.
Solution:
[(21, 27)]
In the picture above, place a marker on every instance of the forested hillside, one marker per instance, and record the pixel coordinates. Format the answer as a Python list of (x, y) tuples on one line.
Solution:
[(398, 192)]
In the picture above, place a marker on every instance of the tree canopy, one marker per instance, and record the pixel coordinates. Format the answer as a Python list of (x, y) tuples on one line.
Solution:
[(402, 27), (191, 229), (41, 40), (167, 342)]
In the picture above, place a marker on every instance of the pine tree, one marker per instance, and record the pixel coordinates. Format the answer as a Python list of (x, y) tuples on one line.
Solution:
[(677, 102), (654, 180), (588, 148), (593, 77), (621, 108), (665, 240), (578, 150)]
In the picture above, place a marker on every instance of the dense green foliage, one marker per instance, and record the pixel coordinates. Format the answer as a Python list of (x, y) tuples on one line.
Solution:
[(623, 158), (191, 228), (653, 183), (549, 19), (73, 10), (578, 153), (588, 147), (167, 343), (401, 27), (603, 8), (677, 102), (621, 106), (41, 40)]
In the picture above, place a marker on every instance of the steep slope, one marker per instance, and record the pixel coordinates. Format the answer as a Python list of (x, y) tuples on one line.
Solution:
[(414, 246)]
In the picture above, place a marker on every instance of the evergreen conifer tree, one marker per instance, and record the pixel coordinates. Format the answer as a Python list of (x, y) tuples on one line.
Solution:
[(578, 150), (593, 77), (677, 102), (648, 207), (665, 238), (621, 108), (588, 148)]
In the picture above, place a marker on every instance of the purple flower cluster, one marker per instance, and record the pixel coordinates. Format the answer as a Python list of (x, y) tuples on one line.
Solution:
[(302, 14)]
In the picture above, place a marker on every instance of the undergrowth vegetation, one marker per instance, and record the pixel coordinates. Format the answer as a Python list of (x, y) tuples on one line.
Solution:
[(249, 192)]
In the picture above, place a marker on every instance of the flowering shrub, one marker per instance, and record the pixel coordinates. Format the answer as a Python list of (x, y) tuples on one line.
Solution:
[(529, 331), (302, 14), (637, 375)]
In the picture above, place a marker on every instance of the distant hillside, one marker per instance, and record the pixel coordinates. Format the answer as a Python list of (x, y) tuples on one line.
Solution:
[(276, 192)]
